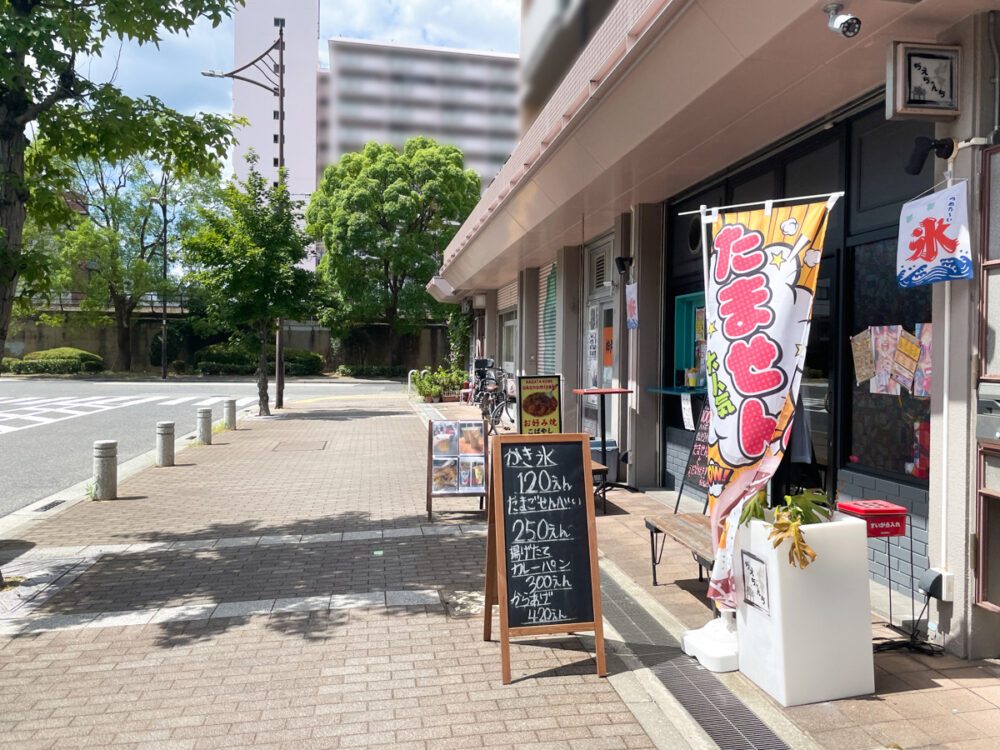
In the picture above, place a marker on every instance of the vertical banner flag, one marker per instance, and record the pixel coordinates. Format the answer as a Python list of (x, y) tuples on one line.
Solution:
[(761, 285), (632, 305), (934, 240)]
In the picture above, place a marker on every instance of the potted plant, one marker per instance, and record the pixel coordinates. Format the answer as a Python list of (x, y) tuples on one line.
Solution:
[(423, 385), (803, 610), (436, 392)]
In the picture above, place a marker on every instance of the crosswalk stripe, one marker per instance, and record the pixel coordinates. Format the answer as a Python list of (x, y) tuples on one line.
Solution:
[(176, 401), (210, 401), (115, 400), (141, 400), (6, 429), (245, 401)]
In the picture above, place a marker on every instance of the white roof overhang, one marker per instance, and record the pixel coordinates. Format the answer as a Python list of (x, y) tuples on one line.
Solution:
[(666, 93)]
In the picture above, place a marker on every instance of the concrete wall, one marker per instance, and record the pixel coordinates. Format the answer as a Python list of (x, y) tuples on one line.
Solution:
[(371, 345), (36, 337), (33, 337)]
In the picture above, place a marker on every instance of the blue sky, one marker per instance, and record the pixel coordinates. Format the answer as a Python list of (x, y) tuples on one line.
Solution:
[(173, 72)]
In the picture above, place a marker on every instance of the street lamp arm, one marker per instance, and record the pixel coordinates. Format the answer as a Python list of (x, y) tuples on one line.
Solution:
[(232, 73)]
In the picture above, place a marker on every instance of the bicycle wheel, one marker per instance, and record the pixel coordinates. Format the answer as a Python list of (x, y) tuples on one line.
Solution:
[(510, 412)]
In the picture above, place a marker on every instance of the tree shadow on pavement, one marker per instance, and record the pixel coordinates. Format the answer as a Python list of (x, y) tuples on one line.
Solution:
[(269, 563)]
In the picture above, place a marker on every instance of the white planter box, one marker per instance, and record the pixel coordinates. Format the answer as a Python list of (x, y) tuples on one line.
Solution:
[(809, 637)]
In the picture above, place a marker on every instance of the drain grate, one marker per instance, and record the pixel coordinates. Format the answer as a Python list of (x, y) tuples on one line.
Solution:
[(49, 506), (722, 715)]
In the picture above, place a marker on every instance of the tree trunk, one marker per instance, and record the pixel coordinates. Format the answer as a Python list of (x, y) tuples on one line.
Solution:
[(263, 409), (13, 197), (123, 336)]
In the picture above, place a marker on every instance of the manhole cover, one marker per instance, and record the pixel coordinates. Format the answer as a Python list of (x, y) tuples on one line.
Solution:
[(314, 445)]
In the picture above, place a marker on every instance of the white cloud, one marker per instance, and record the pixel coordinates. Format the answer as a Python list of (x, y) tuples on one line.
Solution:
[(483, 25), (172, 72)]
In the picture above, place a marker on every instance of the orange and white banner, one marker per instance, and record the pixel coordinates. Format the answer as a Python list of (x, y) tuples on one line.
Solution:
[(761, 285)]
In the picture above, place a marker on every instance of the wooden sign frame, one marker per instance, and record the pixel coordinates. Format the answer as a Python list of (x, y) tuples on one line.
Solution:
[(496, 562), (430, 465)]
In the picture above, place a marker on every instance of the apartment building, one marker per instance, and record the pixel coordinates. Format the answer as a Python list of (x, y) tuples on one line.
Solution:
[(389, 92), (379, 91)]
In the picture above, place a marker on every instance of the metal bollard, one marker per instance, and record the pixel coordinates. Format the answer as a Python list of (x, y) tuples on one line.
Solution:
[(229, 409), (164, 443), (205, 426), (105, 470)]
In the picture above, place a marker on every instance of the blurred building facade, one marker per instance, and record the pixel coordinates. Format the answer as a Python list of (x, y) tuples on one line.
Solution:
[(675, 104), (378, 91)]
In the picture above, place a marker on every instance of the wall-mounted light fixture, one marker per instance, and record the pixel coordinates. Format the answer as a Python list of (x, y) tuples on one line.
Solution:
[(623, 265), (479, 301)]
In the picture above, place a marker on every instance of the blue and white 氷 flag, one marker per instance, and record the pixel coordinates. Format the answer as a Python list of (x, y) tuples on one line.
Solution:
[(934, 240)]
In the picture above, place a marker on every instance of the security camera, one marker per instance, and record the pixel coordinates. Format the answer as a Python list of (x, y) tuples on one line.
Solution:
[(841, 23)]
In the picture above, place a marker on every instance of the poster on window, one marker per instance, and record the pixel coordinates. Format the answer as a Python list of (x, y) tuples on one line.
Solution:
[(884, 343), (632, 305), (762, 280), (934, 240), (922, 377), (904, 364), (864, 356)]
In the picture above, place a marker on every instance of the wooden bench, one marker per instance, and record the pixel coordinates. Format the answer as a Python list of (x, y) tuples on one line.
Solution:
[(600, 472), (690, 530)]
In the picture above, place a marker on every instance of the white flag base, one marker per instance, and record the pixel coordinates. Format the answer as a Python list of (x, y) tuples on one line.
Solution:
[(714, 645)]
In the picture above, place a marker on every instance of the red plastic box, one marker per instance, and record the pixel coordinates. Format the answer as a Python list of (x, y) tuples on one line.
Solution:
[(882, 518)]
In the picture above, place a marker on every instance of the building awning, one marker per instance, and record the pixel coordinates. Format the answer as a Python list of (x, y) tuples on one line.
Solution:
[(439, 288), (666, 94)]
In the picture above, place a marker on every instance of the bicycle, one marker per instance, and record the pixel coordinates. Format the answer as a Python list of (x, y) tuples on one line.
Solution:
[(497, 406)]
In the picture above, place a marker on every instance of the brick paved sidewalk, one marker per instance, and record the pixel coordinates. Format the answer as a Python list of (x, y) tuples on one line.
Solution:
[(282, 588), (920, 701)]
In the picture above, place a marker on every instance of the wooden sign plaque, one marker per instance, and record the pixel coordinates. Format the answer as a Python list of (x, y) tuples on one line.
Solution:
[(541, 566)]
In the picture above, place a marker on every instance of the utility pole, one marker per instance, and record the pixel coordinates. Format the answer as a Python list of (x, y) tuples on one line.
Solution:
[(277, 89), (163, 327), (279, 347)]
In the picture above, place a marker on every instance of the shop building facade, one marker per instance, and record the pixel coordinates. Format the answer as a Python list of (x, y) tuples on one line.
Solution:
[(673, 105)]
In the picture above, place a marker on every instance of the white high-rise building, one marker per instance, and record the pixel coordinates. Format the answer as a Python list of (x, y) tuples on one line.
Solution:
[(256, 27), (388, 92), (378, 91)]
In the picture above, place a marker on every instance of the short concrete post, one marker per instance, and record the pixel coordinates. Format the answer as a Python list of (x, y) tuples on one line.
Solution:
[(105, 470), (229, 409), (164, 443), (205, 426)]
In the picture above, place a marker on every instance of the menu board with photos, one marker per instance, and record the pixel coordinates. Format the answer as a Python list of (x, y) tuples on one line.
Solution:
[(456, 459), (539, 405), (542, 546)]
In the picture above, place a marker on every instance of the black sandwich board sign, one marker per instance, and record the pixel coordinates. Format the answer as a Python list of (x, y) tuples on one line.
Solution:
[(541, 566), (695, 483)]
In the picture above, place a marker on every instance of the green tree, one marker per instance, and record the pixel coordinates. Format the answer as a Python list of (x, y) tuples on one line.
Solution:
[(385, 217), (114, 256), (41, 42), (245, 260)]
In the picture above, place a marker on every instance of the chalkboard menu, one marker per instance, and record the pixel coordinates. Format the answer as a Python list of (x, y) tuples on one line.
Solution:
[(695, 483), (543, 543), (545, 530)]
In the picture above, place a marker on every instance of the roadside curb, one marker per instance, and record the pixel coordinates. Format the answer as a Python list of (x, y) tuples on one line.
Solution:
[(64, 499)]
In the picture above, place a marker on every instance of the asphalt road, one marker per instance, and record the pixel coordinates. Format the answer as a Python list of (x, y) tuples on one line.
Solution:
[(48, 426)]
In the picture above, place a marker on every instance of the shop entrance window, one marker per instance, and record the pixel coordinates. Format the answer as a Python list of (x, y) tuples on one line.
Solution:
[(599, 360), (889, 424), (508, 342)]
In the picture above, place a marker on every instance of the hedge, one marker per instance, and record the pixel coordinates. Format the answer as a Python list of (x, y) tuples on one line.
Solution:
[(46, 366), (226, 359), (371, 371), (6, 363), (93, 362)]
